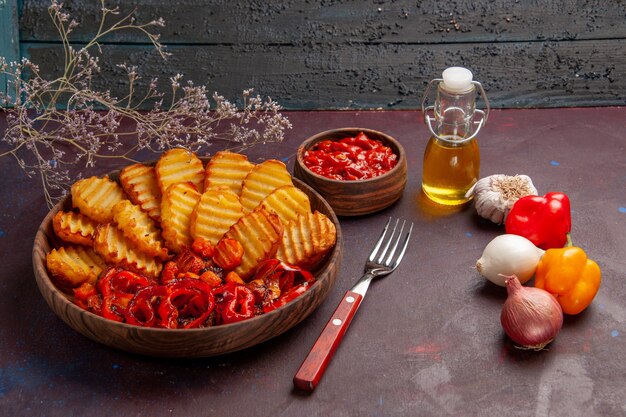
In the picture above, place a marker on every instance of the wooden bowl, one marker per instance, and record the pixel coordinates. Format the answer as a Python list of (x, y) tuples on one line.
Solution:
[(355, 198), (187, 343)]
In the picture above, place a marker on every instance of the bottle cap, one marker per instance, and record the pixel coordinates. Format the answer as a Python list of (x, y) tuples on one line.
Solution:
[(457, 80)]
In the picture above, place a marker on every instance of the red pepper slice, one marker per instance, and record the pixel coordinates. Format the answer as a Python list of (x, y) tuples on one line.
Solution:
[(280, 278), (117, 287), (188, 303), (114, 306), (285, 274), (141, 310), (234, 302), (120, 281), (285, 298), (86, 296), (169, 273)]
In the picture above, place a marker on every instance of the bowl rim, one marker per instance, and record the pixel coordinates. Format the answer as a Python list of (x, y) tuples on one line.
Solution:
[(318, 137), (43, 278)]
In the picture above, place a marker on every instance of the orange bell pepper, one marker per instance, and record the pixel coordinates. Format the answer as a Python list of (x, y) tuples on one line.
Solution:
[(570, 276)]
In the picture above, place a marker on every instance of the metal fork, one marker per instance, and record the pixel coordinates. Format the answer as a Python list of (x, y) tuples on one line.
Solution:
[(383, 260)]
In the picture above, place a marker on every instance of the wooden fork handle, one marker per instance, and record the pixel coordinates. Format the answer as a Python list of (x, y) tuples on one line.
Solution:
[(313, 367)]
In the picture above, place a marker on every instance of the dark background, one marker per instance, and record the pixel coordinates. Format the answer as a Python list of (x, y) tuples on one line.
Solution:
[(346, 54)]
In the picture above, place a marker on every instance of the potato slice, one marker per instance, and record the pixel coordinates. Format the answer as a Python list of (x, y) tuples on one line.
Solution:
[(307, 240), (72, 266), (227, 169), (259, 232), (95, 197), (140, 183), (288, 202), (218, 209), (140, 229), (111, 244), (74, 227), (177, 205), (179, 165), (261, 181)]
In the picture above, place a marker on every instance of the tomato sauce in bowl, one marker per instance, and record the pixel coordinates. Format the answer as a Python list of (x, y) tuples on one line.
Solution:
[(350, 158)]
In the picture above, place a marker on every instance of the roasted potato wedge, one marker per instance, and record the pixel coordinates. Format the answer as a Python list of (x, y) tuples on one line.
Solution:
[(72, 266), (140, 229), (261, 181), (307, 240), (111, 244), (74, 227), (218, 209), (95, 197), (177, 205), (140, 183), (259, 232), (227, 169), (287, 202), (179, 165)]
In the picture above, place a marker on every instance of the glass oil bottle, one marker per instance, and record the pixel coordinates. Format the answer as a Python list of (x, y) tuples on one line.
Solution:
[(452, 158)]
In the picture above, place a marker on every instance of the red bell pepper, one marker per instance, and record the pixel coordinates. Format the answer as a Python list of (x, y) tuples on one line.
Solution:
[(545, 221)]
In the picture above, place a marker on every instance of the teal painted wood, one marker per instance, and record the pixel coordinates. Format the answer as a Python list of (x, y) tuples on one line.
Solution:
[(9, 40)]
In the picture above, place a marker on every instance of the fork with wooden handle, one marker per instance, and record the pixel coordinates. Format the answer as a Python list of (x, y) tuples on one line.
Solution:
[(383, 260)]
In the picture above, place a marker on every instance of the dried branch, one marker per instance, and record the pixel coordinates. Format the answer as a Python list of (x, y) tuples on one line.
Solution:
[(55, 124)]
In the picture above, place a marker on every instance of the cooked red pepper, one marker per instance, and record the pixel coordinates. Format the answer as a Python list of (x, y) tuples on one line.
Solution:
[(114, 306), (120, 281), (186, 301), (274, 278), (285, 275), (285, 298), (234, 302), (169, 273), (86, 296), (117, 287), (545, 221), (187, 304), (188, 261), (352, 158), (142, 309)]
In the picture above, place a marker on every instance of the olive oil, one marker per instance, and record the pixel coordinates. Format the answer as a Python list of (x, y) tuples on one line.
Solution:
[(452, 158), (450, 170)]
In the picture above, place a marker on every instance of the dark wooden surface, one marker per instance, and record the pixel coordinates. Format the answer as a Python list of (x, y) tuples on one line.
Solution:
[(426, 340), (347, 54)]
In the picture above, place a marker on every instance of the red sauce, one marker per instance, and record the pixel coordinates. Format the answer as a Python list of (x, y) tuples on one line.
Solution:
[(349, 159)]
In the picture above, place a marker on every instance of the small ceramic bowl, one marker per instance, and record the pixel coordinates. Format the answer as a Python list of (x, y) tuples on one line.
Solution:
[(355, 198)]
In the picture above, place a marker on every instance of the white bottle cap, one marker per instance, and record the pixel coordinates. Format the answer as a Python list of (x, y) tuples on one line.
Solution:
[(457, 80)]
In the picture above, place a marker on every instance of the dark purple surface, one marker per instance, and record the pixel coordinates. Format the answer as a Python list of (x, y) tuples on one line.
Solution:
[(427, 339)]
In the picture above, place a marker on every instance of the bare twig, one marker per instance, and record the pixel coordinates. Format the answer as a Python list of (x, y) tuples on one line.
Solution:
[(46, 140)]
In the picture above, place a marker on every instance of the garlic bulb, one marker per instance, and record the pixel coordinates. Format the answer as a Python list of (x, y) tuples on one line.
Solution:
[(495, 195)]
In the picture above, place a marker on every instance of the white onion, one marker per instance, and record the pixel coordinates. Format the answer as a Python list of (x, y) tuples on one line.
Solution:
[(509, 255)]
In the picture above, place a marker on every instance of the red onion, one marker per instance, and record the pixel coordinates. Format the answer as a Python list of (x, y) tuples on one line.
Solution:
[(531, 317)]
